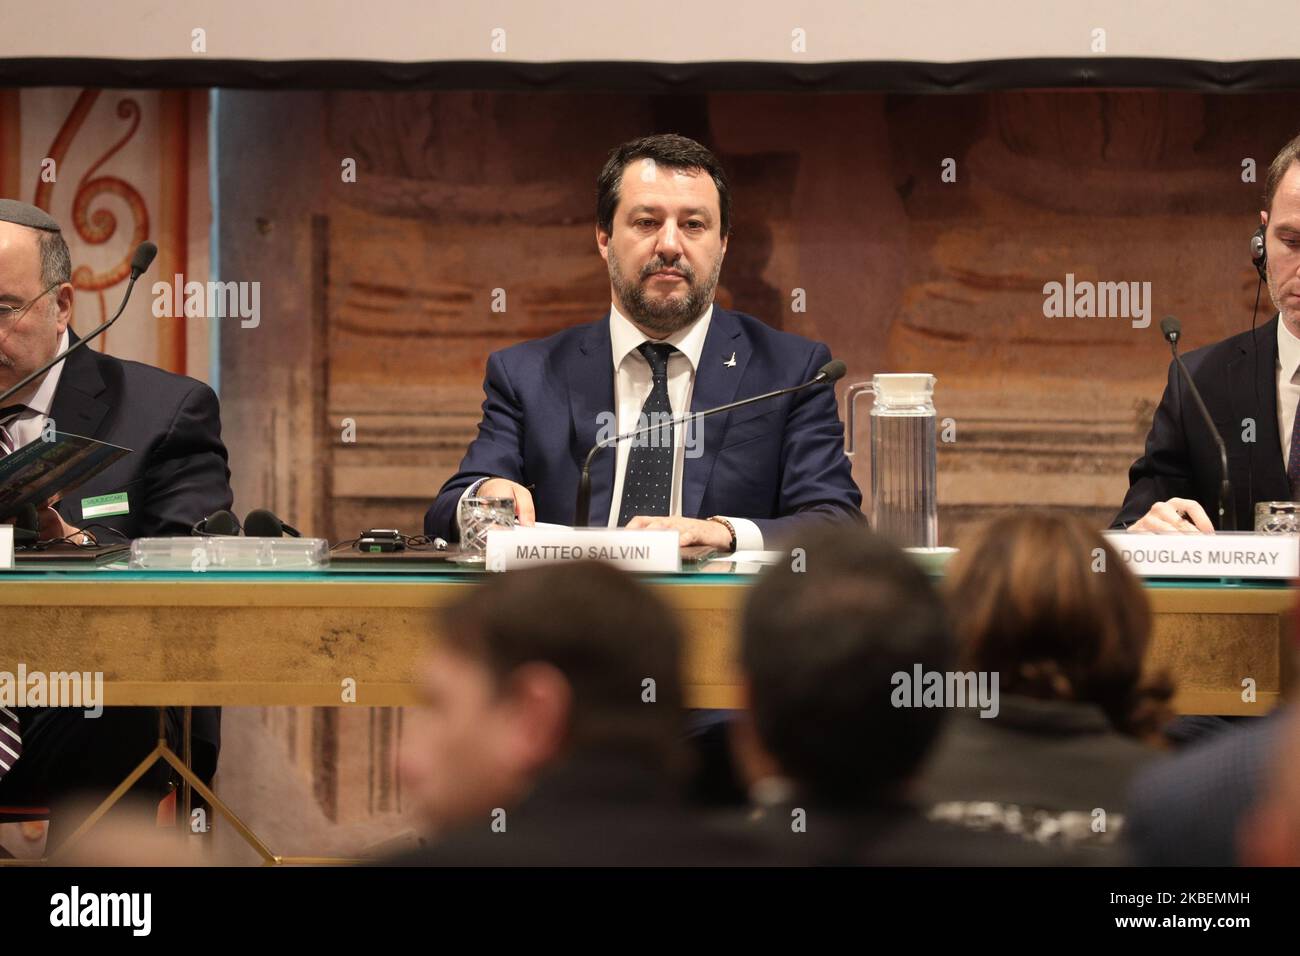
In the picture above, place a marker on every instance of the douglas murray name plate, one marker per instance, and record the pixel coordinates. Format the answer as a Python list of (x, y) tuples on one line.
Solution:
[(1223, 555)]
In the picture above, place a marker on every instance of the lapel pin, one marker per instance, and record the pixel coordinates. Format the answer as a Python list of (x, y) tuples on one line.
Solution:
[(731, 362)]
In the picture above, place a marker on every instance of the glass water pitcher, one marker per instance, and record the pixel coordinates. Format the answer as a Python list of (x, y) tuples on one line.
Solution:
[(904, 507)]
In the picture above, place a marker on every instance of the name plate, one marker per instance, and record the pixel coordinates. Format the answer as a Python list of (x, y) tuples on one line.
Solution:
[(1223, 555), (6, 546), (512, 548)]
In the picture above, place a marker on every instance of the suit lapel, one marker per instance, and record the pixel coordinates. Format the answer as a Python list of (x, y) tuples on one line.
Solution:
[(79, 407), (722, 366), (1267, 465), (591, 403)]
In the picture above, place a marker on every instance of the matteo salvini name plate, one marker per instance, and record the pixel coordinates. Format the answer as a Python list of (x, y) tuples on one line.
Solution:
[(655, 551), (1224, 555)]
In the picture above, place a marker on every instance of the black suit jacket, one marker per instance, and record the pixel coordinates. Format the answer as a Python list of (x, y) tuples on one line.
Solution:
[(176, 473), (1039, 769), (892, 833), (597, 809), (1238, 380)]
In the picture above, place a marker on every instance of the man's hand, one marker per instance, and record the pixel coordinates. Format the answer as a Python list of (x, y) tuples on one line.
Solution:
[(1175, 516), (525, 513), (692, 530), (52, 526)]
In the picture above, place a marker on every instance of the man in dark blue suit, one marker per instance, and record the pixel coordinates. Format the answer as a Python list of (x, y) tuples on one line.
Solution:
[(735, 481)]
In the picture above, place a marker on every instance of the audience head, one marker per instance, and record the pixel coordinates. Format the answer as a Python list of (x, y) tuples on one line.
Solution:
[(532, 667), (1041, 599), (823, 636)]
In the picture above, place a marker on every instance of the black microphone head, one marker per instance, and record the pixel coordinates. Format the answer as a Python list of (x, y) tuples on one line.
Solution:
[(261, 523), (219, 523), (832, 371), (143, 257), (1171, 328)]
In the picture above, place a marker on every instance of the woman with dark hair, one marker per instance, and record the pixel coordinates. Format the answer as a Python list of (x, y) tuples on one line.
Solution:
[(1047, 612)]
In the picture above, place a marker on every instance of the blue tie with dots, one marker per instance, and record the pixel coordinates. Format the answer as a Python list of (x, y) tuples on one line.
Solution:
[(648, 481)]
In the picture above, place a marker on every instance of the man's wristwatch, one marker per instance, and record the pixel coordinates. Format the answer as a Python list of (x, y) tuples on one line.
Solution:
[(729, 526)]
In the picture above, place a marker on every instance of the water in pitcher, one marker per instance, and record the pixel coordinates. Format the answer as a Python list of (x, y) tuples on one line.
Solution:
[(904, 449)]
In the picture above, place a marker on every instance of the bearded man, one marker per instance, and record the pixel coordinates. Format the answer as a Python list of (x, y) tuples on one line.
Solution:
[(738, 480)]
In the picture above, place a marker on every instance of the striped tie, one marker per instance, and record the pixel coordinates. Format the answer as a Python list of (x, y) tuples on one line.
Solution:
[(8, 440), (11, 741)]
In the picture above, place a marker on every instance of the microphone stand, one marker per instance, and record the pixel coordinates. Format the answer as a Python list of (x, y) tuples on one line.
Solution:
[(582, 511), (144, 254)]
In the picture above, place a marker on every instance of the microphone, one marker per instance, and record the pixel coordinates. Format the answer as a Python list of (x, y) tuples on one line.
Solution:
[(1172, 330), (829, 373), (144, 254)]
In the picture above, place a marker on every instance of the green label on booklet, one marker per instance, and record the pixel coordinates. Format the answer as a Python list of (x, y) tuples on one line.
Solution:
[(102, 506)]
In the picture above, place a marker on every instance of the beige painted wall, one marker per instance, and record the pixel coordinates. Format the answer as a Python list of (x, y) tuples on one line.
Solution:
[(933, 30)]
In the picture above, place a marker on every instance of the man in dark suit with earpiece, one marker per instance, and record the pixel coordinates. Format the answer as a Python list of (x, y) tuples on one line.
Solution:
[(175, 474), (1251, 386)]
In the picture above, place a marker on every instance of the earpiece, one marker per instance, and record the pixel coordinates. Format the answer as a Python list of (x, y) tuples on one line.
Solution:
[(261, 523), (1258, 254), (219, 523)]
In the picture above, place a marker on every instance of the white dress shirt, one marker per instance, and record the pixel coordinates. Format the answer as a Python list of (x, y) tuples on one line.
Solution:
[(633, 382), (1288, 388), (29, 424)]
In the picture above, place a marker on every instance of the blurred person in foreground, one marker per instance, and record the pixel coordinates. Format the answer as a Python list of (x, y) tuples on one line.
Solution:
[(1045, 606), (1188, 810), (1270, 833), (552, 729), (829, 754)]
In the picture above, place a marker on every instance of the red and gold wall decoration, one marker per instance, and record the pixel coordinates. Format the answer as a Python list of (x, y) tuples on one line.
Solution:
[(116, 167)]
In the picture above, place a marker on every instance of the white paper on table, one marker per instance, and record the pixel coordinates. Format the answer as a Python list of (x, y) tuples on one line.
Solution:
[(753, 557)]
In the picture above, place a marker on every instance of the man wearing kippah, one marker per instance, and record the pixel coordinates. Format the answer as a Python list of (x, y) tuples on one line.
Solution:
[(175, 475)]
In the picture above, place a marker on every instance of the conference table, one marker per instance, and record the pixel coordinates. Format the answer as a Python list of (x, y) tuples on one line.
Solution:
[(354, 636)]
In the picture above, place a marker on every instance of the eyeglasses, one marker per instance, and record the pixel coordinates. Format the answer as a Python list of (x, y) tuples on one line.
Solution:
[(10, 313)]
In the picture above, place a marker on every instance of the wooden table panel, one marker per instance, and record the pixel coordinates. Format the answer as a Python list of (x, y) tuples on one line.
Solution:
[(269, 642)]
